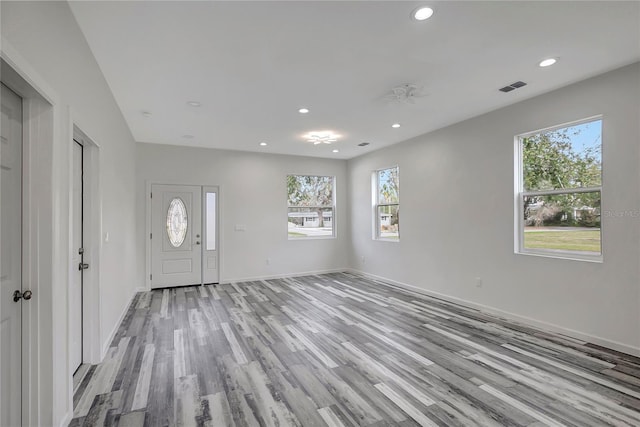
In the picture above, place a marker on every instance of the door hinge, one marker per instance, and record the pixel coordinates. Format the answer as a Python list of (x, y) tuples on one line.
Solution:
[(151, 195), (151, 277), (151, 235)]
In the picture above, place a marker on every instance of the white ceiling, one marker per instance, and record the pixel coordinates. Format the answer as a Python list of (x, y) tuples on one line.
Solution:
[(252, 65)]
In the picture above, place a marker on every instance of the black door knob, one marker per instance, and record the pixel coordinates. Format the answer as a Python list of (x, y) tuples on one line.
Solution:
[(25, 295)]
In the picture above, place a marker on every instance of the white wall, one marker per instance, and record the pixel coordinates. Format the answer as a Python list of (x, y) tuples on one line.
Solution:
[(457, 222), (46, 36), (252, 193)]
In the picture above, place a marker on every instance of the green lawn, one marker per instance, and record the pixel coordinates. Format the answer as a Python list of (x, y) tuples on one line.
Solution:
[(569, 240), (294, 234)]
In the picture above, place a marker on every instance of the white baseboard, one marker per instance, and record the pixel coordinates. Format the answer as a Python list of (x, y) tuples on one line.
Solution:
[(528, 321), (280, 276), (114, 331)]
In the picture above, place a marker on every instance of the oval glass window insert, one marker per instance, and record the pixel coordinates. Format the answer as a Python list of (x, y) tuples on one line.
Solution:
[(177, 222)]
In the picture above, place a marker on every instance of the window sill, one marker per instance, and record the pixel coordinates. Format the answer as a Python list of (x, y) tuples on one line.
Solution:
[(382, 239), (564, 255), (312, 238)]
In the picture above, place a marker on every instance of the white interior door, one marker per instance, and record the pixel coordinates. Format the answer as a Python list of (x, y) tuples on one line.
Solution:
[(176, 231), (10, 258), (210, 271), (77, 265)]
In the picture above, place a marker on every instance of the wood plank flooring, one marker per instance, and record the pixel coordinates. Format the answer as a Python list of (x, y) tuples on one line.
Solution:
[(342, 350)]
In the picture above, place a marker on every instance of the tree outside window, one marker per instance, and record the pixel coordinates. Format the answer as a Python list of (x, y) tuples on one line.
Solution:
[(561, 189), (387, 203)]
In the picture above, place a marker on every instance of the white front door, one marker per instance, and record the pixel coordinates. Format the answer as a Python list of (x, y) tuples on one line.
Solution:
[(210, 271), (77, 265), (11, 259), (176, 231)]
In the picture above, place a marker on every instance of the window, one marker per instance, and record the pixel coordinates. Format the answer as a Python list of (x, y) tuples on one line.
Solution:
[(177, 222), (210, 225), (560, 191), (311, 206), (387, 203)]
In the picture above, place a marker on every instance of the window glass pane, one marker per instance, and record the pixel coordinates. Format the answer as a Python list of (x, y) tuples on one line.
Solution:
[(389, 222), (310, 222), (177, 222), (305, 190), (211, 221), (569, 157), (310, 201), (388, 186), (563, 223)]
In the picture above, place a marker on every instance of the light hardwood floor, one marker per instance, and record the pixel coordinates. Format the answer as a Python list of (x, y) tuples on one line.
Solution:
[(343, 350)]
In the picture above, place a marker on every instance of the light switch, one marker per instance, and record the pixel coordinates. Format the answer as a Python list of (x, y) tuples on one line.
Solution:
[(241, 227)]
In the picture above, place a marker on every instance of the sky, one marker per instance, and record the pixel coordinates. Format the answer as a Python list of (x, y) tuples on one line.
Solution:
[(590, 135)]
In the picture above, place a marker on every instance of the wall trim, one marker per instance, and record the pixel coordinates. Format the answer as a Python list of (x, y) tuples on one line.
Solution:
[(526, 321), (114, 331), (280, 276), (66, 419)]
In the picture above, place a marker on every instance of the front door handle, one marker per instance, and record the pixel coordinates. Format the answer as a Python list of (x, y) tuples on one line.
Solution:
[(82, 266), (25, 295)]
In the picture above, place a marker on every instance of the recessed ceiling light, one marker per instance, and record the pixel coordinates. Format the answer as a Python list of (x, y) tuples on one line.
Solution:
[(422, 13), (146, 113), (194, 104), (336, 151), (263, 144), (395, 125), (321, 137), (547, 62), (187, 136), (303, 110)]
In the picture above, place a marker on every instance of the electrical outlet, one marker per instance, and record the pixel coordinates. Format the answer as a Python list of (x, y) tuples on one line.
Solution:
[(478, 282), (268, 261)]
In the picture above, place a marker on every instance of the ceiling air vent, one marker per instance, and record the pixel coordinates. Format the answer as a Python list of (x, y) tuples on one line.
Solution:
[(363, 144), (512, 86)]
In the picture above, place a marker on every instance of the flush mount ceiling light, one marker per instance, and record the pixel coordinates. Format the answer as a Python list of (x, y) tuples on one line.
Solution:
[(336, 151), (263, 144), (422, 13), (321, 137), (188, 136), (146, 113), (395, 125), (194, 104), (405, 94), (547, 62), (303, 110)]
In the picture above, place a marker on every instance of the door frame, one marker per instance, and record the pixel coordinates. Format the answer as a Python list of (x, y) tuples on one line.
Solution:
[(147, 198), (44, 169), (92, 242)]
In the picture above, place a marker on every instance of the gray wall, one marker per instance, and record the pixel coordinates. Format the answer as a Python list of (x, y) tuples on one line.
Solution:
[(252, 193), (47, 38), (457, 221)]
